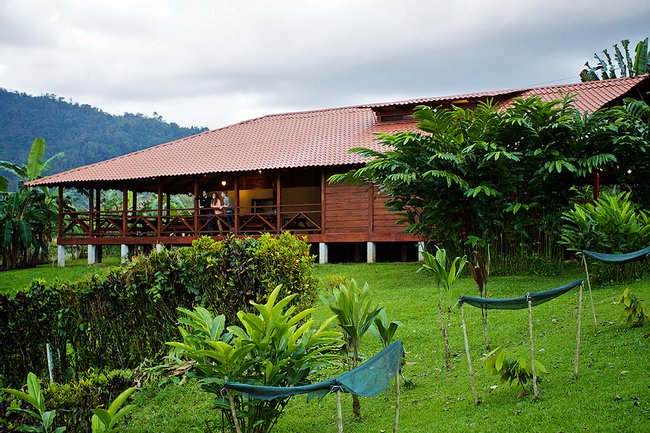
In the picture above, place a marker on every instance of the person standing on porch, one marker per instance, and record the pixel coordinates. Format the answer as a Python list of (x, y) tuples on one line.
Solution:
[(215, 204), (204, 209), (226, 205)]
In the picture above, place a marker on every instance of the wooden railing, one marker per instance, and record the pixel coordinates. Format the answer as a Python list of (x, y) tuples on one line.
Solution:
[(247, 220)]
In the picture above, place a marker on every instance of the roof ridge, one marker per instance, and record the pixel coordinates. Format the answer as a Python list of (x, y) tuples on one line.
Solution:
[(306, 113), (500, 92)]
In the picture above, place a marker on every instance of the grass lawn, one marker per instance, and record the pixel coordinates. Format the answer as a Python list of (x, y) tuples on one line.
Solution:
[(611, 393), (14, 281)]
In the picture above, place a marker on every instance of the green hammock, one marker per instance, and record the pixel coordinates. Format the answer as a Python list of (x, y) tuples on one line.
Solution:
[(526, 301), (367, 380), (618, 259), (517, 303)]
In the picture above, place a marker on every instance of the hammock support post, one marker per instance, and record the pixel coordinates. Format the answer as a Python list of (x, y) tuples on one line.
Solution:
[(396, 420), (591, 298), (339, 413), (532, 348), (469, 359), (575, 361)]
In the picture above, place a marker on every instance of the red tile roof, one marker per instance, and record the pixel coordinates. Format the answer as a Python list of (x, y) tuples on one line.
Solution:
[(589, 96), (304, 139)]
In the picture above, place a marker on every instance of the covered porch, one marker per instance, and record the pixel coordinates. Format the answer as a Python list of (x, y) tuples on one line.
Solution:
[(167, 211)]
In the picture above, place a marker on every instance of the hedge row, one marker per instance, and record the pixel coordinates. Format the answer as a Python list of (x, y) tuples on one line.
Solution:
[(118, 319)]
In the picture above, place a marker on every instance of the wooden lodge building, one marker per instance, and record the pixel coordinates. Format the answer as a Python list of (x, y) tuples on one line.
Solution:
[(275, 170)]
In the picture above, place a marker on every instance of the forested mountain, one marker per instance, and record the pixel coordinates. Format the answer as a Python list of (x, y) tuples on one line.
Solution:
[(85, 134)]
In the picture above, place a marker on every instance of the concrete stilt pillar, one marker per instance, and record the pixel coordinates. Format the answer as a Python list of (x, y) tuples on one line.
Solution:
[(61, 256), (420, 251), (159, 248), (124, 253), (92, 254), (371, 252), (322, 253)]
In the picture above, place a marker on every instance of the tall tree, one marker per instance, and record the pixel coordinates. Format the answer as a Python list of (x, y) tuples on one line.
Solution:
[(623, 63), (500, 177)]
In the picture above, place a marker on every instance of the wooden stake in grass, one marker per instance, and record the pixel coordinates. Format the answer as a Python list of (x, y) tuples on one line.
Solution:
[(396, 420), (575, 361), (339, 412), (591, 298), (469, 359), (532, 348)]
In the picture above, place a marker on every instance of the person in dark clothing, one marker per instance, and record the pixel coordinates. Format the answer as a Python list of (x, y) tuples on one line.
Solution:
[(206, 211)]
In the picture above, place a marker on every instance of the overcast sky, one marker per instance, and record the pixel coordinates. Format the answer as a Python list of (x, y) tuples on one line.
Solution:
[(215, 62)]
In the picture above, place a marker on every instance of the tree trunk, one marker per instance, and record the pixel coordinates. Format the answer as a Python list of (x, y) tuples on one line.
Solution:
[(356, 403)]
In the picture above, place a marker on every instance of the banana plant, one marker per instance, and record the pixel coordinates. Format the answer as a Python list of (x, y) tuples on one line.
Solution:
[(34, 396), (444, 278), (624, 63), (106, 421)]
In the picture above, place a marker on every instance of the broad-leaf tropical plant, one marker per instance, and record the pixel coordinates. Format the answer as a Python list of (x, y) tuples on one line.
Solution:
[(501, 362), (355, 315), (384, 329), (635, 311), (35, 397), (27, 215), (626, 66), (273, 347), (109, 420), (444, 276)]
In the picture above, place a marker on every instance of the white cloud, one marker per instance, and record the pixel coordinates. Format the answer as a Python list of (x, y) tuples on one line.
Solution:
[(212, 63)]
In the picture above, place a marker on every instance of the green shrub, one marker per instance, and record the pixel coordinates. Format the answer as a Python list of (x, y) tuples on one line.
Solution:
[(529, 263), (276, 346), (611, 225), (75, 400), (29, 321), (122, 317), (635, 313), (500, 362), (333, 282), (38, 418)]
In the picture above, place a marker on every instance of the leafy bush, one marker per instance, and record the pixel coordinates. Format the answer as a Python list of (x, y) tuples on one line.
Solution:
[(611, 225), (275, 347), (71, 404), (501, 362), (332, 282), (636, 313), (35, 398), (107, 420), (118, 319), (76, 399)]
